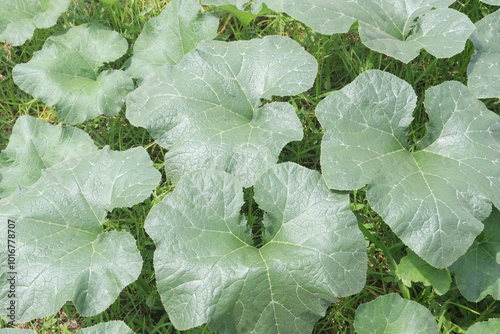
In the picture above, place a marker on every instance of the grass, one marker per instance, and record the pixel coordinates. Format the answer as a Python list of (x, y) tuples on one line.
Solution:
[(341, 58)]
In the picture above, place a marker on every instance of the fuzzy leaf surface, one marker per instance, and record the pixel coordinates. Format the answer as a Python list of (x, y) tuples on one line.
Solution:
[(412, 268), (16, 331), (435, 198), (391, 314), (61, 251), (20, 18), (111, 327), (208, 270), (166, 38), (484, 68), (492, 326), (397, 28), (65, 73), (35, 145), (208, 110), (478, 272)]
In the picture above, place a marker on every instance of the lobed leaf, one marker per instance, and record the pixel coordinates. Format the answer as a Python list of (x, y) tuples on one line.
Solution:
[(61, 251), (391, 314), (165, 39), (483, 71), (399, 29), (207, 269), (477, 273), (413, 268), (35, 145), (20, 18), (434, 199), (65, 73), (208, 110), (111, 327)]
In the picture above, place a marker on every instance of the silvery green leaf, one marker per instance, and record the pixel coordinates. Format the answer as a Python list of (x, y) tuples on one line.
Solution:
[(20, 18), (209, 110), (165, 39), (484, 68), (208, 270), (412, 268), (35, 145), (391, 314), (16, 331), (492, 326), (61, 251), (478, 272), (65, 73), (111, 327), (397, 28), (435, 198)]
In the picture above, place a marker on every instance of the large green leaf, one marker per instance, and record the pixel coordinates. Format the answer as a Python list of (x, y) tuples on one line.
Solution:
[(111, 327), (35, 145), (61, 252), (435, 198), (391, 314), (397, 28), (492, 326), (165, 39), (208, 110), (208, 270), (65, 73), (16, 331), (484, 68), (478, 272), (20, 18), (412, 268)]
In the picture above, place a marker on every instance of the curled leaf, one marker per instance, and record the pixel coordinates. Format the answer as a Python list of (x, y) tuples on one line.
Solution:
[(35, 145), (65, 73), (166, 38), (20, 18)]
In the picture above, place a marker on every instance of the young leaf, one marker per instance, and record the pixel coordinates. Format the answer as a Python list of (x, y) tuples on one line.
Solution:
[(207, 269), (397, 28), (435, 198), (484, 68), (243, 16), (255, 7), (391, 314), (492, 326), (35, 145), (111, 327), (478, 272), (208, 110), (65, 73), (20, 18), (413, 268), (61, 252), (492, 2), (165, 39)]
